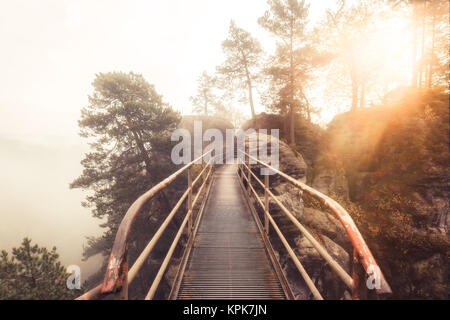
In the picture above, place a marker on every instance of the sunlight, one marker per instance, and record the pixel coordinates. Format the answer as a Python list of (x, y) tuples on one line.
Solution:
[(384, 59), (386, 53), (342, 104)]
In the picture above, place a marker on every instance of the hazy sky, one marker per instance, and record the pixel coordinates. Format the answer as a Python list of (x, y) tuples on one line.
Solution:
[(49, 54), (35, 200), (51, 50)]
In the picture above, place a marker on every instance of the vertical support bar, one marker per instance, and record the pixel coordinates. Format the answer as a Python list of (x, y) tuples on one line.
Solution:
[(359, 291), (204, 164), (266, 203), (249, 176), (122, 294), (189, 200)]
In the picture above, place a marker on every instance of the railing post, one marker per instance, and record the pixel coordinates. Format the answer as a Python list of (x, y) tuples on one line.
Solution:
[(266, 203), (189, 200), (359, 290), (249, 175), (204, 164), (122, 294)]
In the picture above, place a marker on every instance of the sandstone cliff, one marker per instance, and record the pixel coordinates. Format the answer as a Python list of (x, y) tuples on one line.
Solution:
[(388, 166)]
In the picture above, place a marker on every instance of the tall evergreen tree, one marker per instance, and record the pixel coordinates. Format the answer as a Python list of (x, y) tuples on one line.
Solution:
[(243, 59), (206, 100), (287, 19), (129, 126)]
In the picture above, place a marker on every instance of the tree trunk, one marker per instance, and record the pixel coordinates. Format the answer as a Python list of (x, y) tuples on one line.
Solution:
[(308, 113), (250, 93), (206, 103), (307, 104), (362, 100), (431, 61), (250, 89), (354, 88), (292, 116), (414, 45), (142, 151), (286, 123), (422, 57), (291, 84)]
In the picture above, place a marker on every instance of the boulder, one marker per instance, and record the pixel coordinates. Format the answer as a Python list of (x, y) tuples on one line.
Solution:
[(434, 272), (325, 227), (326, 224), (327, 282), (331, 182)]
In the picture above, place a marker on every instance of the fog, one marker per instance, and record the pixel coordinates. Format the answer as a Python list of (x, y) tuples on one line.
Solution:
[(36, 202), (49, 55)]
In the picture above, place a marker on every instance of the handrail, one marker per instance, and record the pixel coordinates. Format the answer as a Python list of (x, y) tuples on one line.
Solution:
[(346, 278), (362, 253), (166, 260), (117, 277), (291, 252), (141, 259)]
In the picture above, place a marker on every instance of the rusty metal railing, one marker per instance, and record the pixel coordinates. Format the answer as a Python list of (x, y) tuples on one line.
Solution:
[(117, 276), (362, 257)]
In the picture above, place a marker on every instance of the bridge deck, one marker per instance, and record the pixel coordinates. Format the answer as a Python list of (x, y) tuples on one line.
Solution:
[(228, 259)]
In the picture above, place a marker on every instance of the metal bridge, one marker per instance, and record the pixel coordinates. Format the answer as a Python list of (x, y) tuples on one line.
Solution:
[(228, 254)]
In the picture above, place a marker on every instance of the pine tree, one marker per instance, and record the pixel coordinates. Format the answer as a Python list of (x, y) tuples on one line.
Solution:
[(33, 273), (129, 126), (206, 100), (243, 59), (287, 19)]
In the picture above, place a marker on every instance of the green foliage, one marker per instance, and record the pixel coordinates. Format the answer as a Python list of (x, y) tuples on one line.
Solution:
[(129, 126), (310, 136), (213, 100), (241, 67), (290, 68), (206, 100), (33, 273), (285, 19)]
